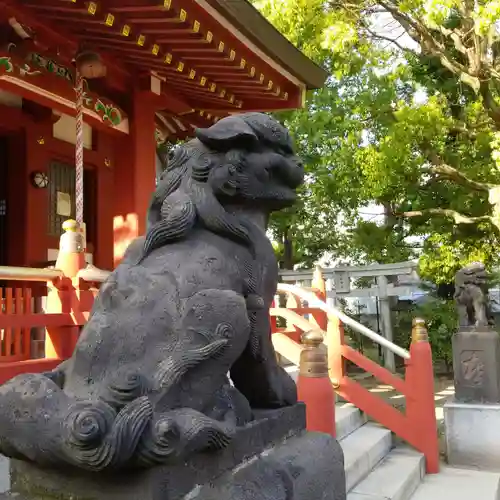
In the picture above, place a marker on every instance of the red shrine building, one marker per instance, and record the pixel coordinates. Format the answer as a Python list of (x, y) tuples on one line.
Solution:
[(166, 67)]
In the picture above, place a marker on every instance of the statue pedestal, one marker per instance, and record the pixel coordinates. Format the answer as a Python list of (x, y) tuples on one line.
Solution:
[(473, 435), (476, 366), (273, 458), (472, 420)]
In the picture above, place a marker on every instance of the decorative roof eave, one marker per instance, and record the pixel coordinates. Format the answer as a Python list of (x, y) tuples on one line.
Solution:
[(264, 35), (203, 61), (61, 38)]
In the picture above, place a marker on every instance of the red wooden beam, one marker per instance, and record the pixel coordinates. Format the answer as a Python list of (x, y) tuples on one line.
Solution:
[(53, 8), (10, 370), (45, 101), (164, 101), (62, 40), (12, 119), (137, 8)]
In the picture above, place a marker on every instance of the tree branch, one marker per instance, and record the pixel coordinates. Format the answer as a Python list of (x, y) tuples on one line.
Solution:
[(457, 217), (489, 103), (422, 35), (442, 169), (470, 130), (452, 174), (387, 39)]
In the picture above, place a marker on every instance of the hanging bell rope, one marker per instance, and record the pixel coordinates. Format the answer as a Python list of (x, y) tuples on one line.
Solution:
[(88, 65), (79, 148)]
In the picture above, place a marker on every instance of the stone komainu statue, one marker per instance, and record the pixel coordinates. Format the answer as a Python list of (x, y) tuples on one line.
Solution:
[(471, 296), (147, 383)]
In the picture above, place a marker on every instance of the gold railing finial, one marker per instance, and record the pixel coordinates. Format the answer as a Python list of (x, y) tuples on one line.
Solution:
[(419, 331), (314, 357), (312, 338), (70, 225)]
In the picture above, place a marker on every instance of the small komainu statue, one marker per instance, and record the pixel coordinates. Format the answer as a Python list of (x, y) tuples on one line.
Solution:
[(148, 381), (471, 296)]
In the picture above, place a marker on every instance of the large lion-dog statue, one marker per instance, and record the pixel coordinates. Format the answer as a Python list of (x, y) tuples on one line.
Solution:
[(148, 382)]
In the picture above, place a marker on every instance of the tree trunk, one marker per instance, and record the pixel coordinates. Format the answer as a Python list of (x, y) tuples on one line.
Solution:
[(287, 249)]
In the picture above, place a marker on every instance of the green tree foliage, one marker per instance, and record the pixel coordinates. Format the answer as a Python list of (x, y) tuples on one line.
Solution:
[(415, 132)]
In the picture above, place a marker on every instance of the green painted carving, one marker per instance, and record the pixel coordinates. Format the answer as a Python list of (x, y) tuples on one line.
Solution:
[(25, 70), (51, 66), (6, 64), (109, 112)]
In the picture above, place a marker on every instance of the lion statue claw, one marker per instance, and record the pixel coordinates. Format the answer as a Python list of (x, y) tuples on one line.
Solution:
[(471, 296), (148, 382)]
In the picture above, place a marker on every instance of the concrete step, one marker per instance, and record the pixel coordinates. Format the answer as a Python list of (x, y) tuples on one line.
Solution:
[(396, 477), (459, 484), (363, 450), (348, 419)]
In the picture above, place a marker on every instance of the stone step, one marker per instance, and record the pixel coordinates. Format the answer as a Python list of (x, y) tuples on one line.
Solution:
[(397, 477), (459, 484), (348, 419), (363, 450)]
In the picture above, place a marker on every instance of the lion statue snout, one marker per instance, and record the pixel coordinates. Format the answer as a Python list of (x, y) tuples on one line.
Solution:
[(257, 160)]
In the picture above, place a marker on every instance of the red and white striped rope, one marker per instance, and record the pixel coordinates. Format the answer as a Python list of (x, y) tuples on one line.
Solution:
[(79, 149)]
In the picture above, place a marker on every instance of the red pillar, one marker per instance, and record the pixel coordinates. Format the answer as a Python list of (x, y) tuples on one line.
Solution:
[(37, 200), (135, 173), (313, 385), (420, 404)]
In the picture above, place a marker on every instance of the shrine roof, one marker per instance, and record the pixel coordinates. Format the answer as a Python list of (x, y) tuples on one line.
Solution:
[(209, 58), (250, 22)]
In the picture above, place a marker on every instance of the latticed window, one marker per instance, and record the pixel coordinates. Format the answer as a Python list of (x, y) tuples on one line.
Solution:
[(61, 195), (62, 198)]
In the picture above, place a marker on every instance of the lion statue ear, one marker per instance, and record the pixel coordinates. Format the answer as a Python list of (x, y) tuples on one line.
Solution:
[(228, 133)]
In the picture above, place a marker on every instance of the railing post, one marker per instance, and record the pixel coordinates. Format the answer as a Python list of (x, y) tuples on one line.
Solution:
[(421, 410), (60, 341), (273, 320), (292, 302), (335, 341), (314, 386), (319, 284)]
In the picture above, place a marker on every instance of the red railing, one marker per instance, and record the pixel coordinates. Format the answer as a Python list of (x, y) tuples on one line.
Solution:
[(56, 326), (70, 298), (15, 344), (417, 424)]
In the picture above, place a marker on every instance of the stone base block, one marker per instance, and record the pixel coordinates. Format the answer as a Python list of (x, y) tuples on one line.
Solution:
[(473, 435), (476, 364), (274, 458)]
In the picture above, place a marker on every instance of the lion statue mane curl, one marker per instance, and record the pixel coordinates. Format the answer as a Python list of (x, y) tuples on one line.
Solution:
[(148, 382)]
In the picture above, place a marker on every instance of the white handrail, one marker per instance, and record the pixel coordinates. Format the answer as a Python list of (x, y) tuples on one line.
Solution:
[(313, 301), (93, 273), (10, 273)]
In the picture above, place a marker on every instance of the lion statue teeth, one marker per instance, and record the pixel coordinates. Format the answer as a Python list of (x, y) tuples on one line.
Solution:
[(471, 297), (148, 381)]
